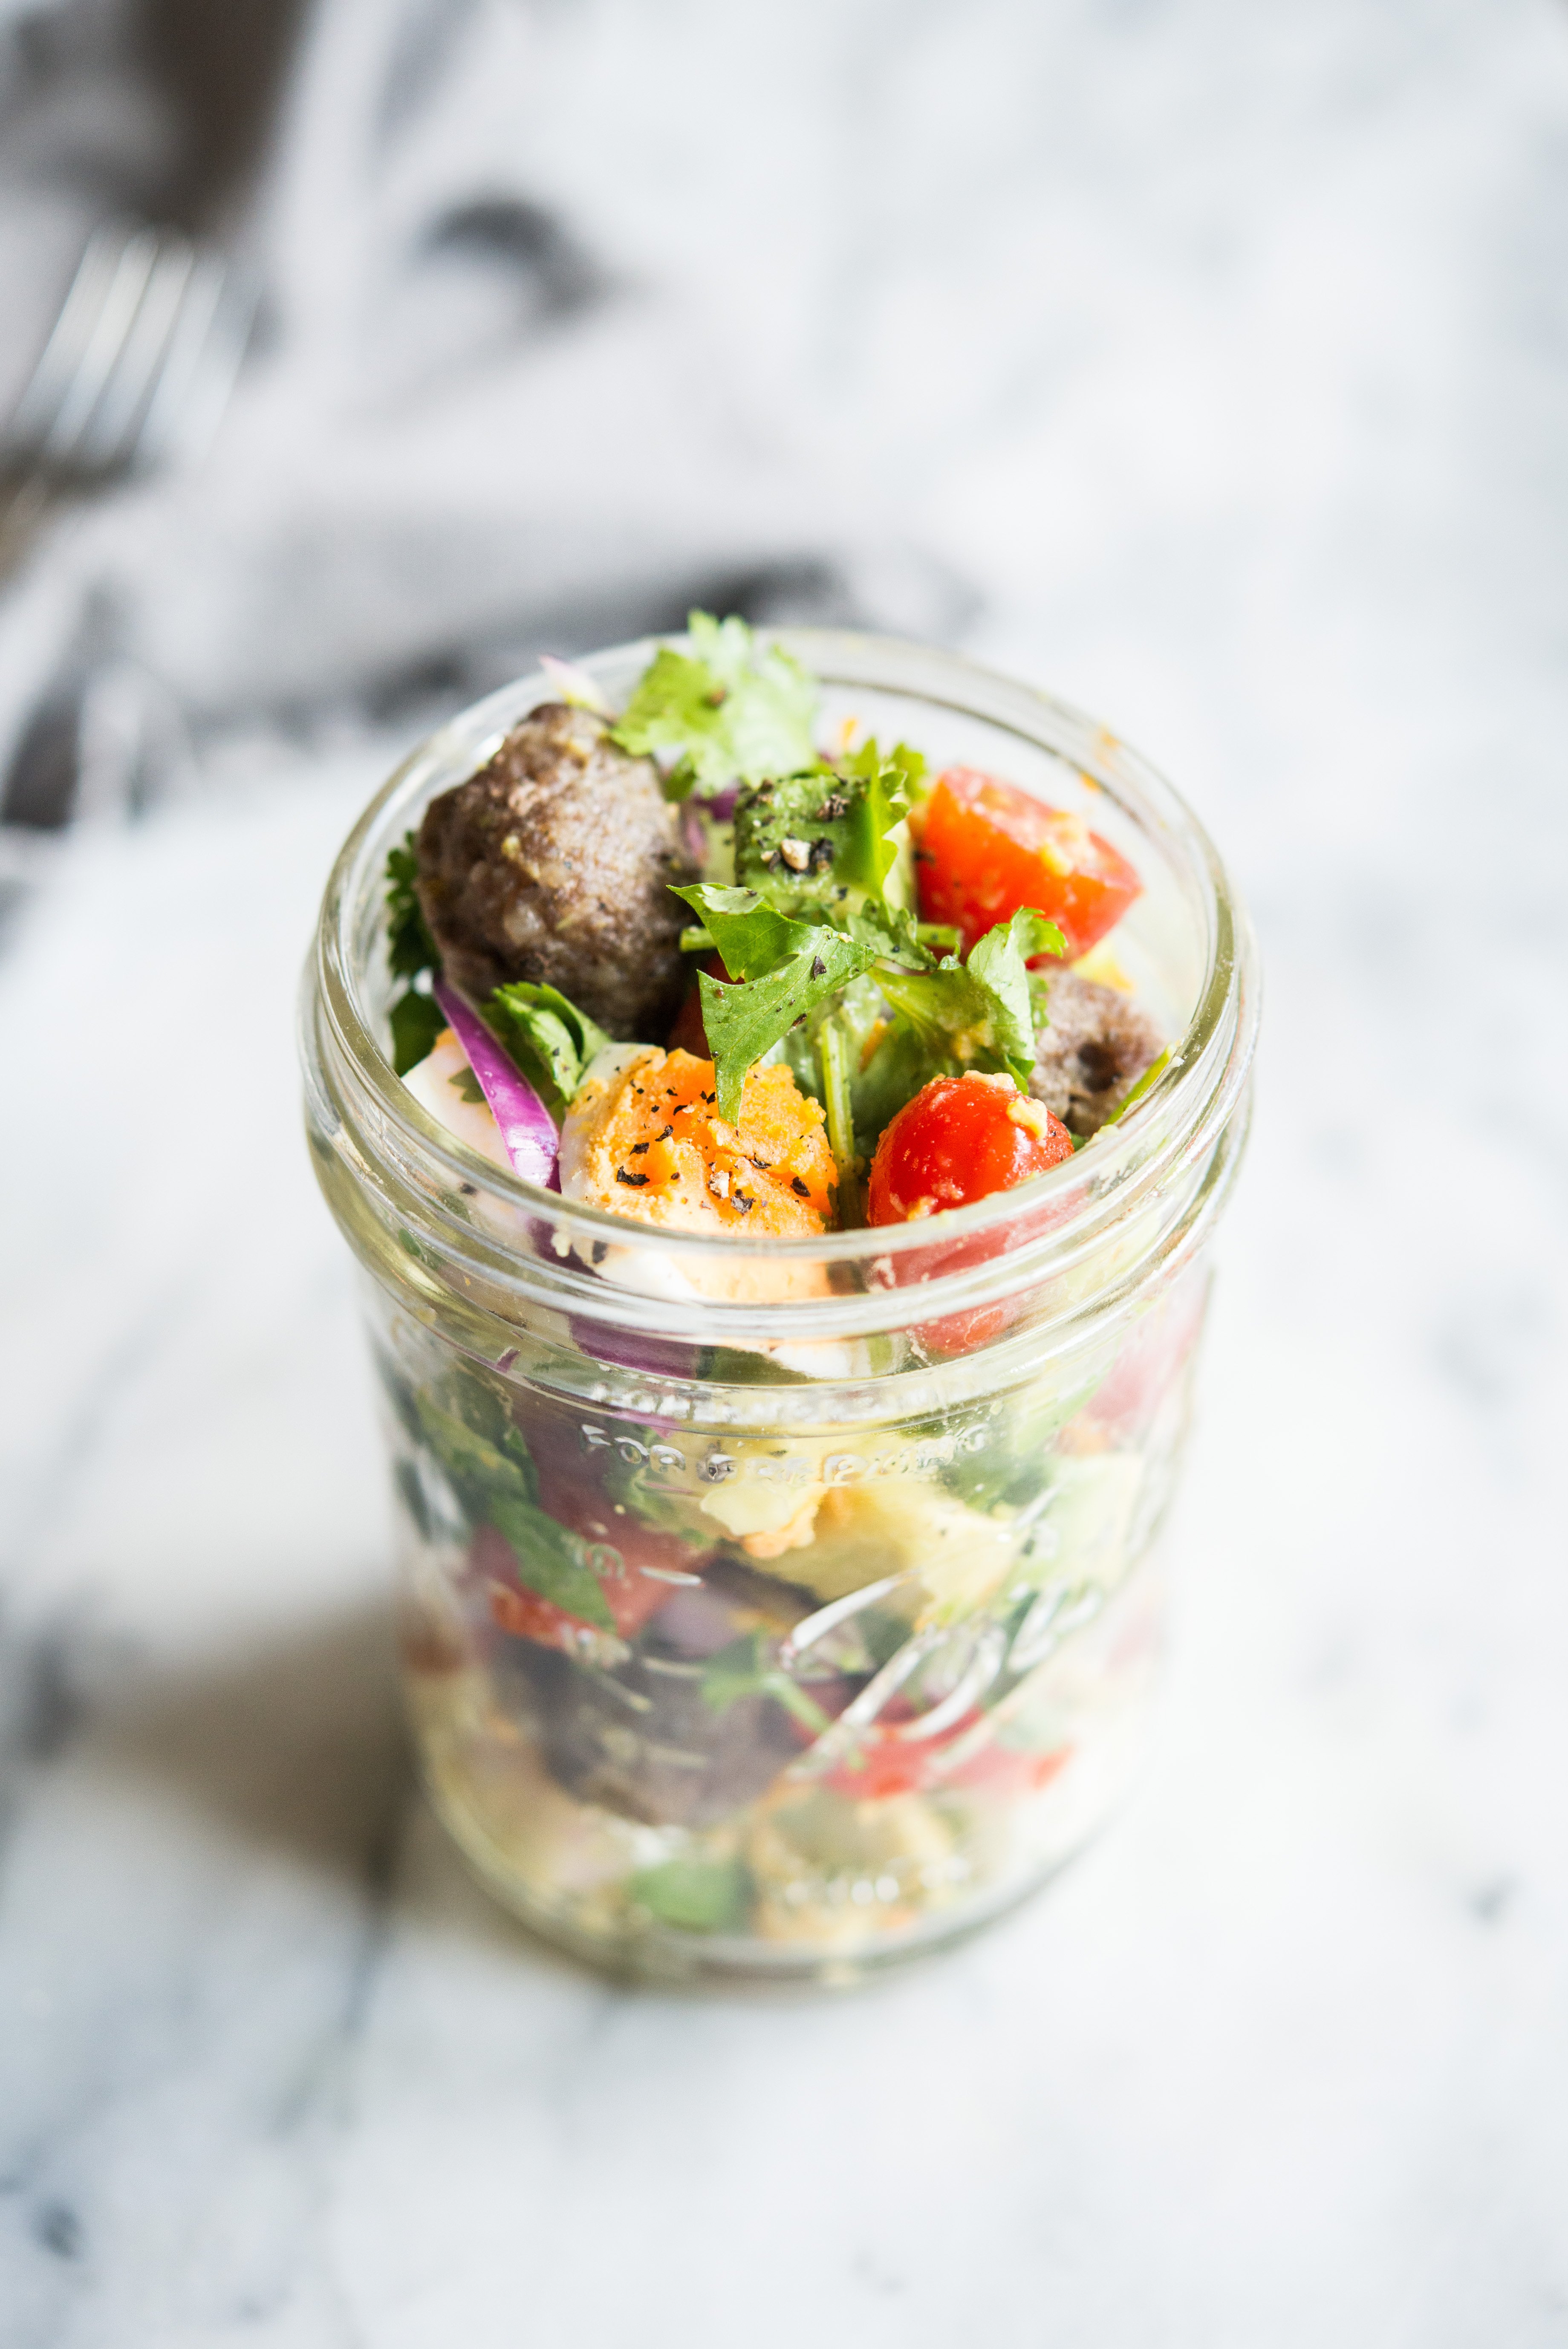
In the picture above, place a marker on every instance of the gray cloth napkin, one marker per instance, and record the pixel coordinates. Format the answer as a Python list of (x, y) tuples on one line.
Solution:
[(468, 430)]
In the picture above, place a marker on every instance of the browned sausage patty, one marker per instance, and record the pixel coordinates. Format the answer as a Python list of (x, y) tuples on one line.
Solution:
[(553, 863), (1096, 1047)]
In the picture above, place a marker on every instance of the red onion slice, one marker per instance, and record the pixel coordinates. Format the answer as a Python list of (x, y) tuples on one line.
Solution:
[(526, 1126)]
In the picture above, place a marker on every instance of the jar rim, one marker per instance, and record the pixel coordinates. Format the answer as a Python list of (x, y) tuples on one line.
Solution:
[(1192, 1098)]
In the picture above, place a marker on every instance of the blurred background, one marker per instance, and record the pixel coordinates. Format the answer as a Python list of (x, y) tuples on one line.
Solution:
[(1145, 347), (1203, 363)]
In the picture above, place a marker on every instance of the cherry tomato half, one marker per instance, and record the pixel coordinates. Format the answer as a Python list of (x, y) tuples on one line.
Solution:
[(985, 848), (887, 1764), (961, 1139), (631, 1598)]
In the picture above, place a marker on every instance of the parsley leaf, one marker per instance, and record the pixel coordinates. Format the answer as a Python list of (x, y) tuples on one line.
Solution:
[(889, 788), (417, 1021), (411, 952), (890, 930), (752, 937), (947, 1009), (551, 1562), (492, 1473), (977, 1015), (481, 1467), (551, 1040), (410, 948), (810, 916), (815, 845), (998, 963), (730, 713), (785, 969), (746, 1020), (747, 1668)]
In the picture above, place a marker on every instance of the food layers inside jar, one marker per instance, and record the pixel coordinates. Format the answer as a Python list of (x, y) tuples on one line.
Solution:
[(814, 1694)]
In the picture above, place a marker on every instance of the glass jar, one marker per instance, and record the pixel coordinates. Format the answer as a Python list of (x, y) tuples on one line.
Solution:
[(780, 1612)]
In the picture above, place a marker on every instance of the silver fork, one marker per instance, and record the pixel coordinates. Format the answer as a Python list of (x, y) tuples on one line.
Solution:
[(136, 373), (140, 363)]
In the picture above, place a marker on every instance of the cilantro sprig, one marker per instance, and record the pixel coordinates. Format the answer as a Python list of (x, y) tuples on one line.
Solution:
[(957, 1016), (744, 1021), (410, 948), (411, 953), (812, 913), (978, 1014), (727, 712), (749, 1667), (492, 1473)]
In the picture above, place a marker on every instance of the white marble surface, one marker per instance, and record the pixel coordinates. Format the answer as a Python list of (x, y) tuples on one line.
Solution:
[(1226, 348)]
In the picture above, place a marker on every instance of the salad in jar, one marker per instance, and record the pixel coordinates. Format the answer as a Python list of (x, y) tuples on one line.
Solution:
[(749, 1648)]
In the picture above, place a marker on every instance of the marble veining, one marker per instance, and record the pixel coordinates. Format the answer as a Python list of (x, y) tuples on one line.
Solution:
[(1266, 461)]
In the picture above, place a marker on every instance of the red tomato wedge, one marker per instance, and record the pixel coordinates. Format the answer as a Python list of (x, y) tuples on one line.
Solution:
[(960, 1139), (630, 1596), (886, 1765), (985, 848)]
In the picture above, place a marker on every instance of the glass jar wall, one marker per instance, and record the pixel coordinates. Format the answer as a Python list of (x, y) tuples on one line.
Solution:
[(784, 1611)]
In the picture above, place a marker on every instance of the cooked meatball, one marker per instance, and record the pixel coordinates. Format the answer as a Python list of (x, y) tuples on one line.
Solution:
[(1093, 1052), (553, 863)]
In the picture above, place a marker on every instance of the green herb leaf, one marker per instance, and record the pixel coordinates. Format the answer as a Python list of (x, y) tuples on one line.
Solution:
[(978, 1014), (889, 788), (1151, 1076), (901, 1061), (695, 1896), (551, 1040), (416, 1021), (891, 931), (999, 963), (490, 1470), (410, 948), (734, 1671), (747, 1668), (744, 1021), (813, 853), (551, 1562), (478, 1466), (975, 1015), (411, 951), (833, 1055), (731, 713), (750, 935), (948, 1010)]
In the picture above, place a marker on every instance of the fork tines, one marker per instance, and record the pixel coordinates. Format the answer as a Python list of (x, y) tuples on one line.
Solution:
[(142, 359)]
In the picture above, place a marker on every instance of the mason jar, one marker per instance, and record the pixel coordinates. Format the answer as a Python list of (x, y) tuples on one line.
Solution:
[(780, 1612)]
